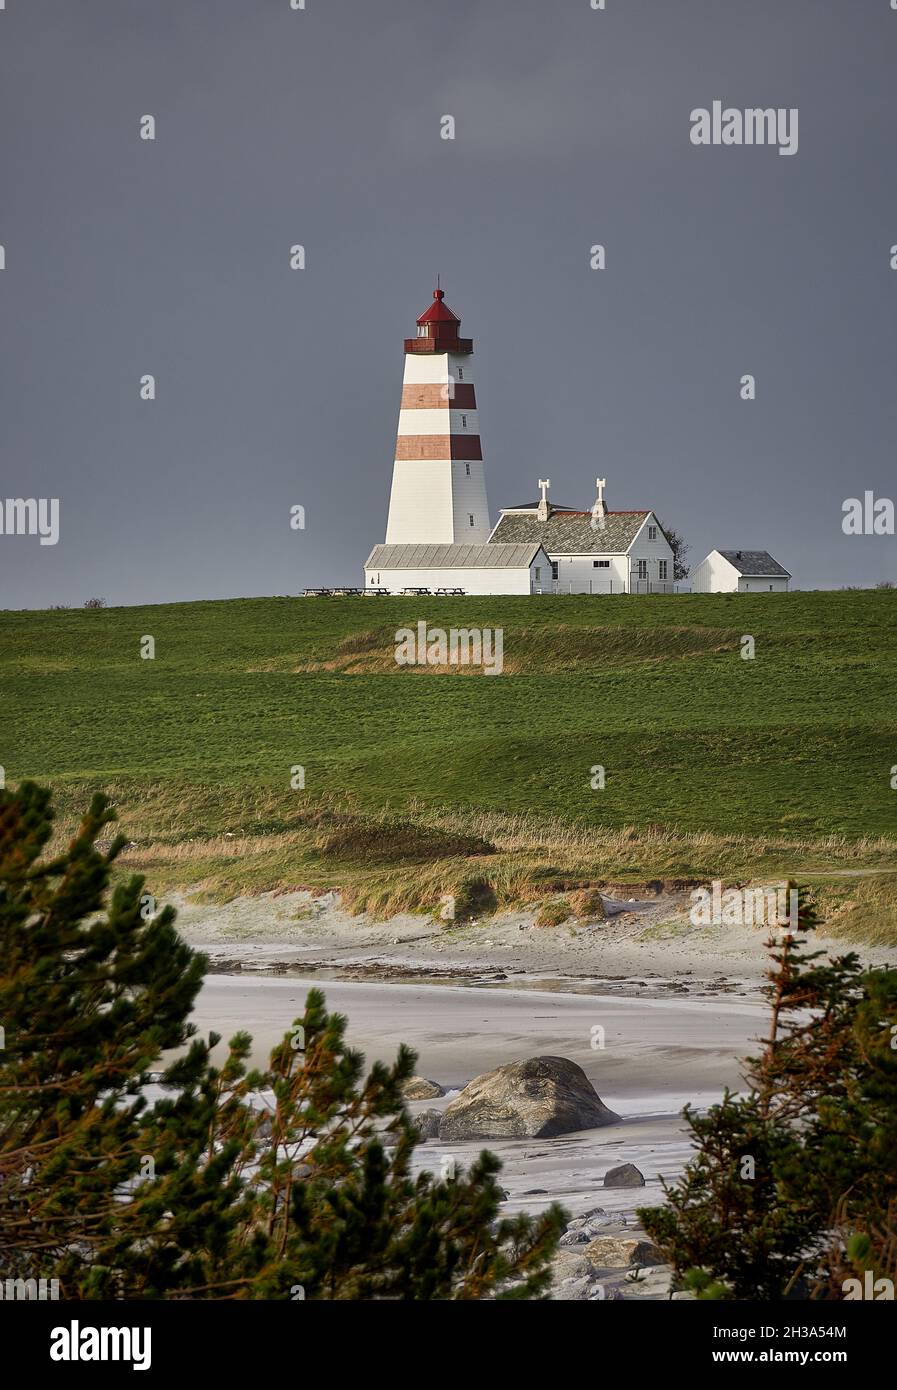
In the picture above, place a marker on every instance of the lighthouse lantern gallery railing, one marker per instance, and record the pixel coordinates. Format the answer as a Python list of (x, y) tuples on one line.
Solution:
[(439, 345)]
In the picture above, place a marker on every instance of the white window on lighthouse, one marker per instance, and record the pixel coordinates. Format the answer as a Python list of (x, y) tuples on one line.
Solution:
[(421, 330)]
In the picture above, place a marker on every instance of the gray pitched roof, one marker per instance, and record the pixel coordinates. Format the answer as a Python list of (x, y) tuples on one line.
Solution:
[(755, 562), (571, 533), (422, 557)]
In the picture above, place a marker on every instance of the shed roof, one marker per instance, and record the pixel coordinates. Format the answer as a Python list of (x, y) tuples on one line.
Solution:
[(757, 563), (425, 557)]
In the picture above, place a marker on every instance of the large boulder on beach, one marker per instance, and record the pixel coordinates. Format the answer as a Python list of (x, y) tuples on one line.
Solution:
[(421, 1088), (624, 1175), (622, 1252), (535, 1099), (427, 1123)]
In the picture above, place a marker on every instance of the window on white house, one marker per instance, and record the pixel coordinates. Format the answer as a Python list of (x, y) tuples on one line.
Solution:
[(538, 573), (464, 422), (470, 514), (652, 533), (663, 569), (460, 373), (467, 466), (554, 569), (643, 569), (601, 564)]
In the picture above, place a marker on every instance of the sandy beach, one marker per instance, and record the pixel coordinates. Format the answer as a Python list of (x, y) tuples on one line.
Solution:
[(658, 1055), (645, 947), (657, 1012)]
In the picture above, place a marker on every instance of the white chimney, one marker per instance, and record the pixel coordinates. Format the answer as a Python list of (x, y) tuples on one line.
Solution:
[(599, 510), (543, 510)]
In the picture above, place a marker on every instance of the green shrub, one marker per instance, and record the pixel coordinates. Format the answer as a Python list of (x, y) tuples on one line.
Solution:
[(235, 1202), (792, 1189), (553, 913), (474, 897)]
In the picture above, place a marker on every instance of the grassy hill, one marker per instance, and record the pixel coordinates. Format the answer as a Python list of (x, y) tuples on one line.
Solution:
[(713, 764)]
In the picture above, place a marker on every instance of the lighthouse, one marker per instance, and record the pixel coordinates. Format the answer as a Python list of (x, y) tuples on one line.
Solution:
[(438, 492)]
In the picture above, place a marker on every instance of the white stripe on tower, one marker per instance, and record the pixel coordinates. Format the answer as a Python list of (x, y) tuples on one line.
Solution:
[(438, 481)]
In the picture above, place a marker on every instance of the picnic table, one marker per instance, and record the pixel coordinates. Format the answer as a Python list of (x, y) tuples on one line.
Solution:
[(338, 590), (375, 592), (413, 589), (449, 591)]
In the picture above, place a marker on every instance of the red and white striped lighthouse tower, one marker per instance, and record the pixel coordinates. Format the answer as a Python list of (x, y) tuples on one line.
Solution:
[(438, 483)]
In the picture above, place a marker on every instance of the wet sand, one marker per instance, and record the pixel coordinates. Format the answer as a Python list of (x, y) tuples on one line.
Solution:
[(657, 1055)]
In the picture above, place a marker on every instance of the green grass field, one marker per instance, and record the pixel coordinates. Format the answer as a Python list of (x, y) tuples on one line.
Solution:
[(777, 755)]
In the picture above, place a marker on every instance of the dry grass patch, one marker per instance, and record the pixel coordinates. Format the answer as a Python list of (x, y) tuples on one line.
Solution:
[(861, 910), (237, 840), (529, 649), (588, 905)]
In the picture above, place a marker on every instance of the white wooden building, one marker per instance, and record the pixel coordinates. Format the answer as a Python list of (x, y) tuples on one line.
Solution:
[(739, 572), (594, 552), (476, 569)]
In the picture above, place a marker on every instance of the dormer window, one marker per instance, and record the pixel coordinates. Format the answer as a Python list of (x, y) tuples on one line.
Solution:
[(652, 533)]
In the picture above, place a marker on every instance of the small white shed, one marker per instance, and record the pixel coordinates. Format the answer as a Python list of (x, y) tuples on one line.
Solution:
[(476, 569), (739, 572)]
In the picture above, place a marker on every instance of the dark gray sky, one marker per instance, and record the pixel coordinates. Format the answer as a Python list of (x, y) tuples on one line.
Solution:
[(322, 127)]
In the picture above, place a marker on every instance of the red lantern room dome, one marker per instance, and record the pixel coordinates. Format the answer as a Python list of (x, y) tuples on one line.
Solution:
[(437, 330), (439, 311)]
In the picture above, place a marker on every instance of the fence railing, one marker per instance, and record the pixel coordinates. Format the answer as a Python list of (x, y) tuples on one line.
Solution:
[(603, 587)]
